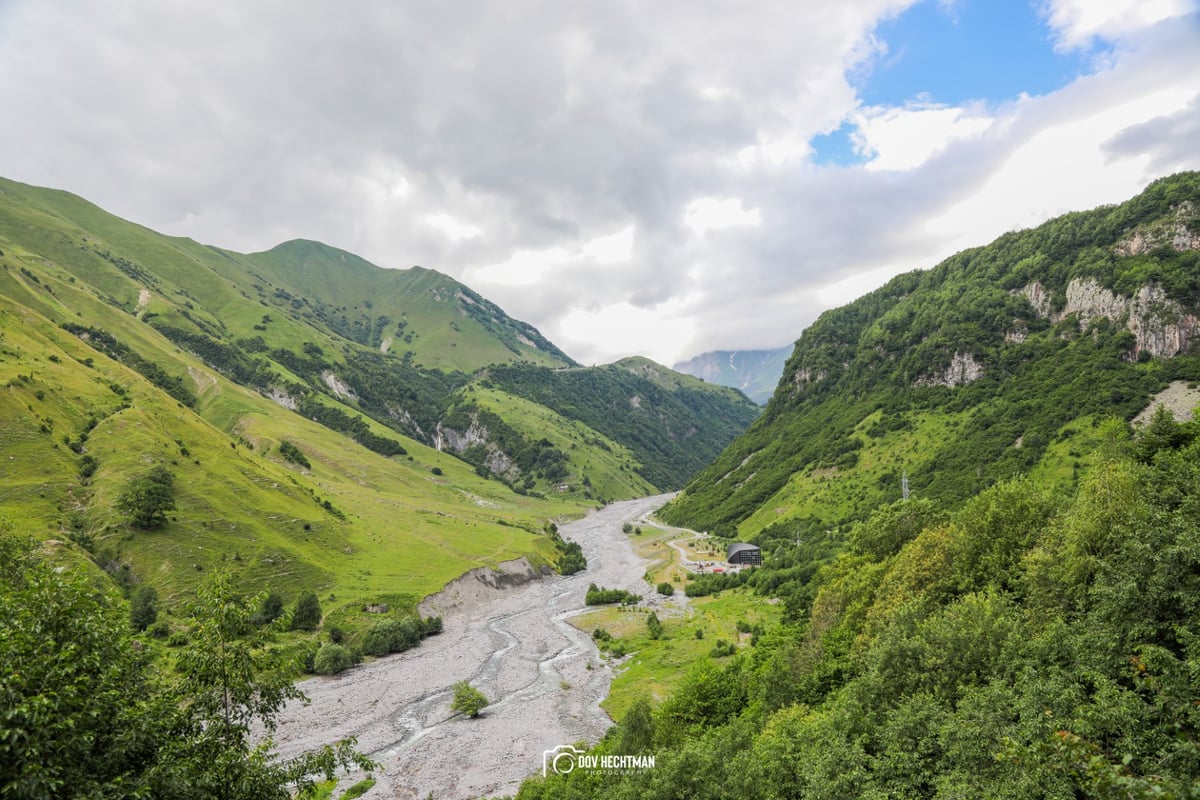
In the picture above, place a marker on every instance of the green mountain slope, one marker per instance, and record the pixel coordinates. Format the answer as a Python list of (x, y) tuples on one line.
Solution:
[(326, 333), (303, 401), (997, 362), (672, 423)]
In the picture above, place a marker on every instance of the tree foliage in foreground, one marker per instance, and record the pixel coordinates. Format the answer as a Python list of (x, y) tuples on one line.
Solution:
[(1026, 645), (84, 713)]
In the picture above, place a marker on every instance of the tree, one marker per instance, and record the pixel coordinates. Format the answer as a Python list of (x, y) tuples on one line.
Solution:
[(230, 684), (84, 714), (73, 708), (269, 610), (468, 699), (148, 497), (143, 607), (306, 614), (654, 625)]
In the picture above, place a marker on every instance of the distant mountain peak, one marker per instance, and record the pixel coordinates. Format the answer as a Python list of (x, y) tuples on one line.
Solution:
[(755, 372)]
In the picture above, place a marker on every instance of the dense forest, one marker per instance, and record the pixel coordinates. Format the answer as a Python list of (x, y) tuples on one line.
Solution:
[(1026, 644)]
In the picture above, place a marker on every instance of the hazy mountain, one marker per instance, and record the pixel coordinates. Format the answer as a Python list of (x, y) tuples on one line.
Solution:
[(754, 372)]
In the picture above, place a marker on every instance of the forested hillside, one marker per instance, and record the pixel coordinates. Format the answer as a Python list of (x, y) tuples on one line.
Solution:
[(998, 362), (1026, 644)]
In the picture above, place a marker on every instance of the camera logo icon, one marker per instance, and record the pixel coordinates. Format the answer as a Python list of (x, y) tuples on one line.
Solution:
[(560, 760)]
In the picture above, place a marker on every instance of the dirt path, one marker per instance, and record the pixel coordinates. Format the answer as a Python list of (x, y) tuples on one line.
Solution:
[(544, 678)]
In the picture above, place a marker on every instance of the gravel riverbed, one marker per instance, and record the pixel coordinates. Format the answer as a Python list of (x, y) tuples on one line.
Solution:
[(515, 645)]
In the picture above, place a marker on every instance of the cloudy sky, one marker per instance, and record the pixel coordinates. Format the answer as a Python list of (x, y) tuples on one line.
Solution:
[(661, 178)]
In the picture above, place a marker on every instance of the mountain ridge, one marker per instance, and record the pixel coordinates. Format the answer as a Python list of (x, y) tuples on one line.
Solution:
[(995, 362)]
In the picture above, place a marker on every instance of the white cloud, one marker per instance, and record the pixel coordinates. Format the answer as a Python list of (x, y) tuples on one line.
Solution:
[(710, 213), (657, 333), (1077, 22), (454, 229), (616, 248), (904, 138)]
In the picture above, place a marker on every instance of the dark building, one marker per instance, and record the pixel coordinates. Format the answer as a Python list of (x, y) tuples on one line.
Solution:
[(742, 553)]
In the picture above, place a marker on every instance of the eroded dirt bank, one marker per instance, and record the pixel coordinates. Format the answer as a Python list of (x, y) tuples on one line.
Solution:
[(511, 641)]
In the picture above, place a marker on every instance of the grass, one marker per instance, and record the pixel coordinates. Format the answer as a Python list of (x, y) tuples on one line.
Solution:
[(655, 666), (241, 507)]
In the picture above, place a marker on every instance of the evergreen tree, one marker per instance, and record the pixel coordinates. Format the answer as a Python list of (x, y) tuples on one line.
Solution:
[(306, 614)]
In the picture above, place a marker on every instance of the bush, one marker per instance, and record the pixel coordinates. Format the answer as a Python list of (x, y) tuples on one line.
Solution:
[(468, 699), (143, 607), (666, 589), (392, 636), (721, 649), (293, 454), (332, 659)]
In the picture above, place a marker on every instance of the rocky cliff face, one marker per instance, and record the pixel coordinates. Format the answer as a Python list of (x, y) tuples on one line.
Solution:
[(963, 369), (1173, 231), (1160, 325)]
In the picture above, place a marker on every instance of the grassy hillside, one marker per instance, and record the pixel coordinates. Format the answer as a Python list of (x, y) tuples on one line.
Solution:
[(998, 362), (335, 338), (353, 524)]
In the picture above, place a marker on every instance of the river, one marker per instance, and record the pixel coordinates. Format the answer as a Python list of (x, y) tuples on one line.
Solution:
[(545, 680)]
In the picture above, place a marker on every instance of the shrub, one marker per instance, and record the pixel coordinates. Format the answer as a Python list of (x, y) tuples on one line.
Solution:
[(293, 454), (722, 648), (598, 596), (666, 589), (332, 659)]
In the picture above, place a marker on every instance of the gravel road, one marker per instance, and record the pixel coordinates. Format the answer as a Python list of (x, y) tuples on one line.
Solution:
[(515, 646)]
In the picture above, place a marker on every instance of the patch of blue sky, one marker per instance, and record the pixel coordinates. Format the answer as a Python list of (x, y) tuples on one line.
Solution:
[(952, 53)]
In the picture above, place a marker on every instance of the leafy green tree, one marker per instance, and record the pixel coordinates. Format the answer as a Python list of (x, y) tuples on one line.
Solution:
[(143, 607), (636, 731), (666, 589), (232, 684), (306, 614), (467, 699), (148, 497), (270, 608), (73, 715), (83, 714)]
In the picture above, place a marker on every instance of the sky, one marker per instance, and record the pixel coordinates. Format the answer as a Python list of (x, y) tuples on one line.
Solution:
[(633, 178)]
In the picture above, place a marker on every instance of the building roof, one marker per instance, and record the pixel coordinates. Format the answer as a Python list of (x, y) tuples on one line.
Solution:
[(739, 547)]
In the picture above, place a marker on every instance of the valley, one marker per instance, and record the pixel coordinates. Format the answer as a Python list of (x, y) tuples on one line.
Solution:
[(545, 679)]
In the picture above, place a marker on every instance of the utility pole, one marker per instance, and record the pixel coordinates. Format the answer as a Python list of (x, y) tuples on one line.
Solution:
[(904, 485)]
